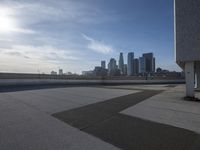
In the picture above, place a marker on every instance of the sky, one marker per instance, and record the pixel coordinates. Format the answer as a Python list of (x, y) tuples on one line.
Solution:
[(75, 35)]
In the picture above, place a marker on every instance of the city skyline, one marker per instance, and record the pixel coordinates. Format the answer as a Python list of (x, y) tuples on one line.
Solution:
[(63, 34), (132, 67)]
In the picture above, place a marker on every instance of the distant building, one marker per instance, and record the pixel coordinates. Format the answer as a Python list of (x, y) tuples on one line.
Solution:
[(136, 66), (142, 65), (87, 73), (154, 65), (112, 65), (69, 73), (121, 63), (149, 62), (125, 69), (99, 71), (112, 68), (103, 64), (130, 64), (159, 70), (53, 73), (60, 72)]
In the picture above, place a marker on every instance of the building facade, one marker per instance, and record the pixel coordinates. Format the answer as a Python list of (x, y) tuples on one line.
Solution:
[(142, 65), (112, 65), (60, 71), (121, 63), (149, 62), (187, 41), (103, 64), (130, 64), (136, 66), (154, 65)]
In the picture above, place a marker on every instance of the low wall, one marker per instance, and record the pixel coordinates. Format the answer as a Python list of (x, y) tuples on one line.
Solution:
[(18, 82)]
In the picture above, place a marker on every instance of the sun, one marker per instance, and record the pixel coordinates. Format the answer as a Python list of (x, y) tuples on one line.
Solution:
[(7, 23)]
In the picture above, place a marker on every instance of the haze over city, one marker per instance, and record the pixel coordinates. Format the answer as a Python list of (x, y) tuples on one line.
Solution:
[(41, 36)]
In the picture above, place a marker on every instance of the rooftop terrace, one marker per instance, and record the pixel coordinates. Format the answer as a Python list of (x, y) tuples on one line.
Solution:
[(98, 117)]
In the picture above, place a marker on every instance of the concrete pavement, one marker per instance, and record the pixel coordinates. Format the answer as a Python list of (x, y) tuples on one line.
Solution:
[(113, 117)]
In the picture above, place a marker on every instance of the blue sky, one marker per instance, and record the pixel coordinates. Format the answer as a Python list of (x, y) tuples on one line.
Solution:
[(75, 35)]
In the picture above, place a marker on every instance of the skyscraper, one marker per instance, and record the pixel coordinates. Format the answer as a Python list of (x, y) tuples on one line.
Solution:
[(149, 62), (125, 69), (130, 64), (112, 65), (136, 66), (103, 64), (121, 63), (112, 68), (154, 65), (60, 72), (142, 65)]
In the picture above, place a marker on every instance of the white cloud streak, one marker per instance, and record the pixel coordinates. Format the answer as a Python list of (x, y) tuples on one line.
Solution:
[(23, 31), (97, 46), (28, 58), (42, 53)]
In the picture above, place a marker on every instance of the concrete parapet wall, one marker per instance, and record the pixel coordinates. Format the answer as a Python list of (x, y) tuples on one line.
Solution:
[(10, 82)]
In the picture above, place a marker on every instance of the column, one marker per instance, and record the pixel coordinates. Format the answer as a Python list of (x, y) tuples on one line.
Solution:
[(189, 77), (198, 74)]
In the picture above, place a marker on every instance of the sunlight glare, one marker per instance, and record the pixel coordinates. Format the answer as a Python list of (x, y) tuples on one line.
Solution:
[(7, 23)]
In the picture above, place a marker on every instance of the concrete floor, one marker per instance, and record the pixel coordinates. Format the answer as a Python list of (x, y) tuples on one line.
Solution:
[(27, 122), (169, 108)]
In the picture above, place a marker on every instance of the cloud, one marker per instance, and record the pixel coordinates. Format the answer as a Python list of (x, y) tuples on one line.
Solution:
[(97, 46), (75, 11), (47, 34), (24, 31), (12, 53), (29, 59), (40, 53)]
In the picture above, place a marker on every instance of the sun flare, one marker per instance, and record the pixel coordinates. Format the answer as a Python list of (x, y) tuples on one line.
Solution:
[(7, 22)]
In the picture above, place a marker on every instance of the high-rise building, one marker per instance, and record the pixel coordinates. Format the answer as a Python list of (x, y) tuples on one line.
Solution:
[(121, 63), (154, 65), (136, 66), (112, 68), (142, 65), (112, 65), (130, 64), (103, 64), (60, 72), (125, 69), (149, 62)]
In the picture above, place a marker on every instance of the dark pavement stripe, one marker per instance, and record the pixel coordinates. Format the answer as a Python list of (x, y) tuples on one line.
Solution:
[(89, 115), (130, 133), (104, 121)]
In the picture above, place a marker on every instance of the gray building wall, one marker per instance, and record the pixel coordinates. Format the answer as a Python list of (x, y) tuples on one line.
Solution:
[(103, 64), (112, 65), (130, 64), (154, 65), (136, 66), (187, 27), (121, 63), (149, 62), (142, 65)]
